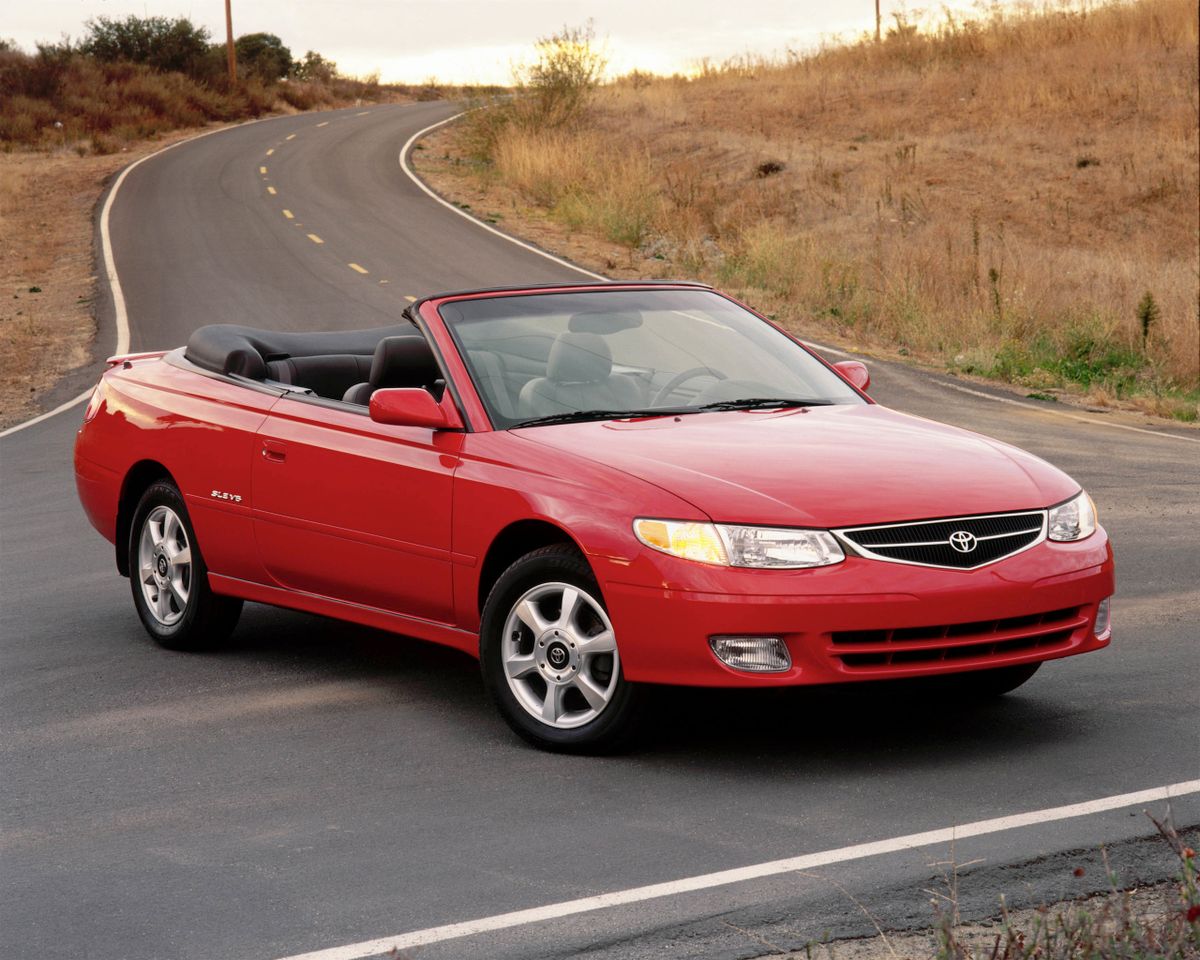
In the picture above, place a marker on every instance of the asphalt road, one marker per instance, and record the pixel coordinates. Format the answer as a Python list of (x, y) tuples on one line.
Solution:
[(321, 784)]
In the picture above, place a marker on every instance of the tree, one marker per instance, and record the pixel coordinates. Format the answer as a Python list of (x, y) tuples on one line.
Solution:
[(314, 67), (264, 55), (159, 42)]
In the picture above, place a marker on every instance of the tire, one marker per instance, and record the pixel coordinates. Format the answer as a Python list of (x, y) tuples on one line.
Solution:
[(988, 684), (169, 578), (570, 695)]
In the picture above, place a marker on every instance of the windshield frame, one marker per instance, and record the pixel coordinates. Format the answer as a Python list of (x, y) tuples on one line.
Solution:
[(498, 421)]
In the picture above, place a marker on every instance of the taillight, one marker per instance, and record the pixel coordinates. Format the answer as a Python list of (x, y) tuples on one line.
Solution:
[(94, 402)]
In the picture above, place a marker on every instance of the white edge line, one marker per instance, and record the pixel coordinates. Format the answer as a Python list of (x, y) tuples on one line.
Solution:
[(74, 402), (1070, 416), (110, 268), (475, 220), (419, 938), (815, 346)]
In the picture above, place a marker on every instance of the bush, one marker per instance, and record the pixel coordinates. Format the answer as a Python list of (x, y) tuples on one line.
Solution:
[(554, 91), (556, 87), (157, 42), (314, 67)]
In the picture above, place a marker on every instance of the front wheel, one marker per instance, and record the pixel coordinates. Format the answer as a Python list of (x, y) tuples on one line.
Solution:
[(169, 578), (550, 659)]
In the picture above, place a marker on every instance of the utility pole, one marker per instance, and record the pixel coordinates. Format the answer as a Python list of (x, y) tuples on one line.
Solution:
[(876, 18), (231, 56)]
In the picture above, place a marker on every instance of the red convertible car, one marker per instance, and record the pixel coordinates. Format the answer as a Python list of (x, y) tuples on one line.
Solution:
[(592, 488)]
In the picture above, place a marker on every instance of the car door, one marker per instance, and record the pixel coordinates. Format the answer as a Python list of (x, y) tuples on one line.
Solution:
[(356, 510)]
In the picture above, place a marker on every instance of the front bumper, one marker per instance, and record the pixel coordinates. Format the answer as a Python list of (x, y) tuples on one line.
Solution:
[(861, 619)]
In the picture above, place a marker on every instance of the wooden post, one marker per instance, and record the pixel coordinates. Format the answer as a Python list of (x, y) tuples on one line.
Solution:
[(231, 55), (876, 18)]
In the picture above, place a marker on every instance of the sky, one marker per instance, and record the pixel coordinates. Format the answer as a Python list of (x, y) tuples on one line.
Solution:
[(476, 41)]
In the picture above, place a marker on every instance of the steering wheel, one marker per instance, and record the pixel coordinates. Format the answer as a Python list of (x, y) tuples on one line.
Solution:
[(681, 378)]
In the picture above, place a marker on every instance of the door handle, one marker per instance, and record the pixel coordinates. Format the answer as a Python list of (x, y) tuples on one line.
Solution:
[(274, 451)]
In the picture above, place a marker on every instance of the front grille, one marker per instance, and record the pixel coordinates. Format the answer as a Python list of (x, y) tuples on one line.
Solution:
[(955, 642), (932, 543)]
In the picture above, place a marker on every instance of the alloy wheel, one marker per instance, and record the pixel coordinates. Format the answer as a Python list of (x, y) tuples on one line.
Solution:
[(165, 565), (559, 655)]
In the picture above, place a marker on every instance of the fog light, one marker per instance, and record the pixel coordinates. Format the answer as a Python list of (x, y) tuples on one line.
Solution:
[(1103, 618), (752, 654)]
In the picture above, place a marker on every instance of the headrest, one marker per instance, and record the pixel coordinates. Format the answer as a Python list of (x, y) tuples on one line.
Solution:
[(579, 358), (403, 362), (604, 321)]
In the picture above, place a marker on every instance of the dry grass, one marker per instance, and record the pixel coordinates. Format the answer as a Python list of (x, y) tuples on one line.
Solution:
[(1160, 921), (58, 99), (996, 195), (62, 99)]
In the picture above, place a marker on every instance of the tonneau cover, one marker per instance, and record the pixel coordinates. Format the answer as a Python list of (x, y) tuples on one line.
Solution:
[(245, 351)]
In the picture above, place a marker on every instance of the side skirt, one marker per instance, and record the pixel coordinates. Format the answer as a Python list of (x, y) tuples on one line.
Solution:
[(353, 612)]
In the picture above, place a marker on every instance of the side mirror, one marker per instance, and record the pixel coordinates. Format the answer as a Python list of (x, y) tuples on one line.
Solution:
[(412, 407), (855, 372)]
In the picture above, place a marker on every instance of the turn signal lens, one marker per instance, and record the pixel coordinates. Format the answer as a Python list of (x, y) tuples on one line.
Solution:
[(1073, 520), (691, 541), (1103, 618)]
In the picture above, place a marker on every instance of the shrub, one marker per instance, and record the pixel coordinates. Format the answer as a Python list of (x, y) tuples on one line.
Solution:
[(314, 67), (556, 87), (553, 91), (159, 42)]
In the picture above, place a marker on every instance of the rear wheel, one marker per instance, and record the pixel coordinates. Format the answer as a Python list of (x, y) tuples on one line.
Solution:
[(169, 578), (550, 659)]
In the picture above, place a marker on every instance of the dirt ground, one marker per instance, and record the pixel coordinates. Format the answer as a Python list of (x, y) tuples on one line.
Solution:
[(48, 273)]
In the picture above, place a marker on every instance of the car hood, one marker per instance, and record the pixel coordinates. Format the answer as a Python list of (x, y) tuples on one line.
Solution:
[(831, 466)]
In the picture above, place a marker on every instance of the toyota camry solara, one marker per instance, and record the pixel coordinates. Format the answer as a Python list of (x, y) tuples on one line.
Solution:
[(591, 488)]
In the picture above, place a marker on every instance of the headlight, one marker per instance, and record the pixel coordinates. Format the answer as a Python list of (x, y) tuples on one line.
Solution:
[(1074, 519), (727, 545)]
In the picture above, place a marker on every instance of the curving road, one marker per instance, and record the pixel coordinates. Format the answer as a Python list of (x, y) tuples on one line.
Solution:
[(322, 785)]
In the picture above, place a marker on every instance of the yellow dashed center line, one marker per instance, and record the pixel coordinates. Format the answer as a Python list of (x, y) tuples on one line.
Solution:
[(356, 268), (289, 214), (363, 114), (271, 151), (324, 123), (291, 136), (314, 238), (410, 299), (271, 191), (262, 170)]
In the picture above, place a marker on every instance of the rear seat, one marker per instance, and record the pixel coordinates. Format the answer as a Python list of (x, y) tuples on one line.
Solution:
[(326, 376)]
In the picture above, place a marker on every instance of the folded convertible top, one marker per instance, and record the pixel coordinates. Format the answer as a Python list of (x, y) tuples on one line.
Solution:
[(245, 351)]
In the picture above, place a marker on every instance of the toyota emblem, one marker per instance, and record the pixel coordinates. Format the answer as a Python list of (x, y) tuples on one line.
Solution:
[(962, 541)]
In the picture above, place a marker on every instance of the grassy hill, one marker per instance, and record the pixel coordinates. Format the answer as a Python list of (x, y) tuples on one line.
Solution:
[(1014, 196)]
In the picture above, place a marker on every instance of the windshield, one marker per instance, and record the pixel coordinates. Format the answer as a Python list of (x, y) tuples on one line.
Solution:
[(601, 355)]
